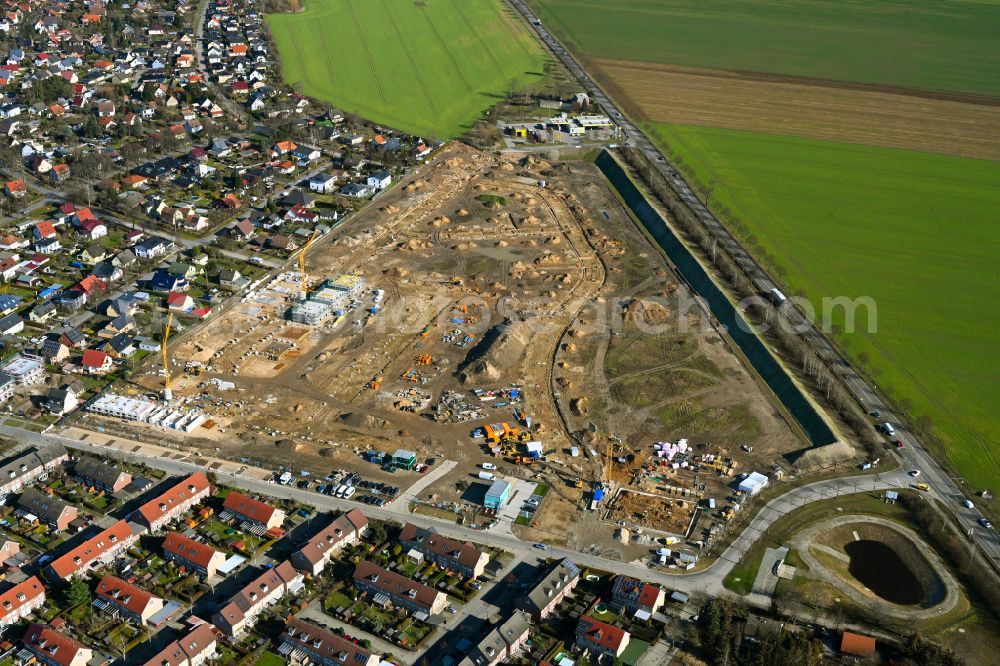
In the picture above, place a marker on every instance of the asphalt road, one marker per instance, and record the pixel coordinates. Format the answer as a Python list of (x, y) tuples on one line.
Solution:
[(705, 581), (914, 456)]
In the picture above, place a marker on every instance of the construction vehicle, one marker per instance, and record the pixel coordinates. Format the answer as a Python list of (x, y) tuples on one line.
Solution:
[(410, 375), (424, 359), (194, 371), (375, 384), (578, 483), (167, 392), (495, 433), (524, 460), (302, 264)]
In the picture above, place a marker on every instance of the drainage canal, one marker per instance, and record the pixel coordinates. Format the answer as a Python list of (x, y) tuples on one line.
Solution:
[(694, 274), (879, 568)]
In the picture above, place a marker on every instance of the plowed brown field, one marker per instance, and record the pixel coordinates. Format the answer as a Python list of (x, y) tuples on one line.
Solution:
[(968, 126)]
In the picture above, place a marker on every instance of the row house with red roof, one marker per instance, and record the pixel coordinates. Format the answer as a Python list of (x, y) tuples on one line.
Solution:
[(173, 503), (313, 557), (241, 613), (194, 649), (21, 601), (192, 555), (54, 648), (99, 549), (126, 601), (253, 511)]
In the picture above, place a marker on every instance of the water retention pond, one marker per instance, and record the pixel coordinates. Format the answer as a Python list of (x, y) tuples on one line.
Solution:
[(879, 568)]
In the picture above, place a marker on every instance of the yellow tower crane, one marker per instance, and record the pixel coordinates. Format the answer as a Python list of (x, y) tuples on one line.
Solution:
[(302, 263), (167, 393)]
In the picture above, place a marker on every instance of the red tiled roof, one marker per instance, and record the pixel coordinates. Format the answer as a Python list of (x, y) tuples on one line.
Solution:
[(155, 509), (248, 507), (330, 537), (124, 594), (188, 648), (21, 594), (57, 647), (254, 593), (177, 298), (601, 633), (88, 551), (856, 644), (93, 358), (197, 553)]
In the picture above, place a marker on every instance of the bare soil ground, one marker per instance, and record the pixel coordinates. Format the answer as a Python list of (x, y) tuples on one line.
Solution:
[(965, 125), (490, 280)]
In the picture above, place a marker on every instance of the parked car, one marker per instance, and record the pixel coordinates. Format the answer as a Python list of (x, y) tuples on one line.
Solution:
[(541, 546)]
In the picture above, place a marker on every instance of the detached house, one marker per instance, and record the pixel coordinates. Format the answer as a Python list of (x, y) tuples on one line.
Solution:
[(42, 312), (380, 180), (635, 596), (324, 183), (15, 188), (96, 362), (601, 638)]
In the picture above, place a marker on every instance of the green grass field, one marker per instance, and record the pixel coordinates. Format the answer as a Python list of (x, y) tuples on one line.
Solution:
[(916, 232), (430, 67), (929, 44)]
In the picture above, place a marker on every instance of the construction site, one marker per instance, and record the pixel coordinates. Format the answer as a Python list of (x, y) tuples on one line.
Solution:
[(490, 309)]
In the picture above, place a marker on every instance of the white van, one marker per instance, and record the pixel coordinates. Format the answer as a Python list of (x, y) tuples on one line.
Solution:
[(341, 489), (488, 466), (350, 491), (889, 430)]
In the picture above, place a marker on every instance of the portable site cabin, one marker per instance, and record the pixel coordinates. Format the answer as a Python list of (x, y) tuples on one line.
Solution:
[(498, 495), (404, 459)]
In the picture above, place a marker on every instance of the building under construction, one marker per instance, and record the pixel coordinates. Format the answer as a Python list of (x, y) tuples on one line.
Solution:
[(327, 299)]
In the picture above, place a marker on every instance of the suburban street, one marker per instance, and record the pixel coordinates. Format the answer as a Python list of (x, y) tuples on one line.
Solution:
[(706, 581), (913, 456)]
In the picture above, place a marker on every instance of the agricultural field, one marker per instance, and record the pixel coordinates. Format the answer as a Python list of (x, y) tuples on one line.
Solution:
[(944, 45), (867, 128), (915, 231), (429, 68)]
